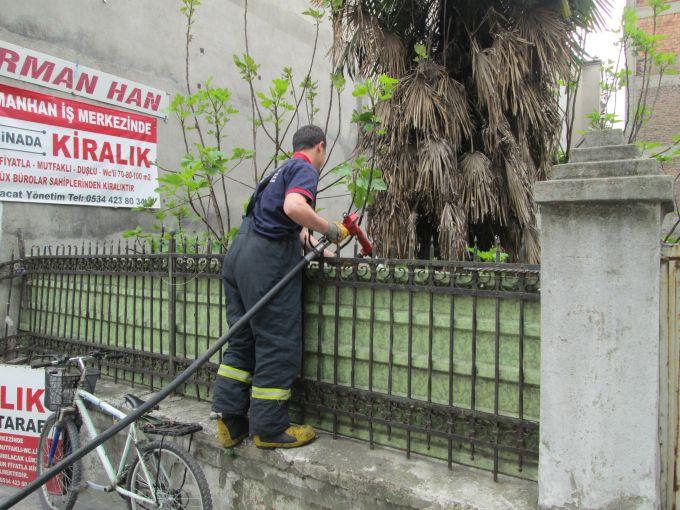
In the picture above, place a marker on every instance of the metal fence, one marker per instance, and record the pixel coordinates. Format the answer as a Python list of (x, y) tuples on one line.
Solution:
[(432, 357)]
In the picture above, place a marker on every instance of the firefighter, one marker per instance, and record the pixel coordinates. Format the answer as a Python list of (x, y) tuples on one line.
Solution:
[(263, 358)]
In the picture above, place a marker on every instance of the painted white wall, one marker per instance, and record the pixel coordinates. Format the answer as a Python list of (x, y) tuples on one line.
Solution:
[(144, 41), (587, 100)]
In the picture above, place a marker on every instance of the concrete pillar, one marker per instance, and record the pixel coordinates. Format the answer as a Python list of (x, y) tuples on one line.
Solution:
[(600, 262)]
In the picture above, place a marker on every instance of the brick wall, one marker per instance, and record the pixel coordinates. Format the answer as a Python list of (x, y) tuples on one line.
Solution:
[(664, 125), (665, 121), (669, 26)]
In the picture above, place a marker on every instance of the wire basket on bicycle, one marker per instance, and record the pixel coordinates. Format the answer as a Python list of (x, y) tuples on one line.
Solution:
[(61, 384)]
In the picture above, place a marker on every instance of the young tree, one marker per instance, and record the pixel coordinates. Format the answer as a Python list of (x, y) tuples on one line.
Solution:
[(195, 198)]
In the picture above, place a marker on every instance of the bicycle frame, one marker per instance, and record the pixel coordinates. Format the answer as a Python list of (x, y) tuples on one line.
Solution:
[(133, 437)]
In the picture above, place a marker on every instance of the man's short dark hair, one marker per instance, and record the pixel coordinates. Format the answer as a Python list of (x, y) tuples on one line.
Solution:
[(308, 137)]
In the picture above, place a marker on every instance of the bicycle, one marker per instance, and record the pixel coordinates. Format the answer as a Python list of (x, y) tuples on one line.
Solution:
[(161, 475)]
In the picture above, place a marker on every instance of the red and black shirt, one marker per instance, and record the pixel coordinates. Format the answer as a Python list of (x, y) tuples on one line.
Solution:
[(297, 175)]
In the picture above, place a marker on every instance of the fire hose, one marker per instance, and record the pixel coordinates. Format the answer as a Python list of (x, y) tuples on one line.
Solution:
[(349, 222)]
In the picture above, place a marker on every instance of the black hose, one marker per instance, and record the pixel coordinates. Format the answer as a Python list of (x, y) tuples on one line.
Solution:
[(167, 390)]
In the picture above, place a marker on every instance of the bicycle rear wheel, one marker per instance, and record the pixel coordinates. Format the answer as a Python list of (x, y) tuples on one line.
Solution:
[(56, 442), (180, 482)]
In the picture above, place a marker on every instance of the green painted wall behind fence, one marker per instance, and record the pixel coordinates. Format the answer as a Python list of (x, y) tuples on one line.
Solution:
[(353, 336)]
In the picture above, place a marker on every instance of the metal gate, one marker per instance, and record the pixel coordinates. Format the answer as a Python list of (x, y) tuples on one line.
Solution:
[(670, 376)]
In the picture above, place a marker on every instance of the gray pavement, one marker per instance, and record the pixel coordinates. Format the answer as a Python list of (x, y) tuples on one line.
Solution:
[(87, 500)]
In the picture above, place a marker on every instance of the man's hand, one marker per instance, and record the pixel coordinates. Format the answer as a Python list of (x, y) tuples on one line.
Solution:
[(297, 209), (336, 232), (309, 242)]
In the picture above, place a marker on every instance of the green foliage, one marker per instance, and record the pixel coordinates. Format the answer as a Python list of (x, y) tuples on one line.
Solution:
[(247, 67), (374, 91), (333, 5), (316, 15), (196, 191), (194, 187), (275, 102), (188, 7), (653, 61), (363, 181), (421, 52), (656, 149), (489, 255), (602, 120), (561, 157), (311, 89), (338, 81)]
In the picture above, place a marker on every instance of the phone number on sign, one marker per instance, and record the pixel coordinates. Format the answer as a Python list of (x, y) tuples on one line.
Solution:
[(102, 199), (79, 198)]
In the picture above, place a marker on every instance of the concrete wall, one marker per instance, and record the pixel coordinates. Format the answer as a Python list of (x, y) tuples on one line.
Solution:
[(587, 100), (599, 444), (328, 474), (144, 41)]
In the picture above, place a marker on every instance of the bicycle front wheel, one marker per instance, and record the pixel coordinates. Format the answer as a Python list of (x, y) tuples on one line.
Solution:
[(178, 479), (59, 439)]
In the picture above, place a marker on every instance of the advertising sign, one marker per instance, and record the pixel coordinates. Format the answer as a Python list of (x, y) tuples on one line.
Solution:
[(59, 151), (22, 417), (55, 73)]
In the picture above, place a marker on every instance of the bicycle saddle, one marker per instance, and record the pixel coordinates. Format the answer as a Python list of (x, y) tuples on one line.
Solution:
[(134, 401)]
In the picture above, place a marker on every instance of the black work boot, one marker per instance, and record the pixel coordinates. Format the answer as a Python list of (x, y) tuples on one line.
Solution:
[(231, 430)]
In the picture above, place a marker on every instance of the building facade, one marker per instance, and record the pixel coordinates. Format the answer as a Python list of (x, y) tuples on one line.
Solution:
[(145, 43)]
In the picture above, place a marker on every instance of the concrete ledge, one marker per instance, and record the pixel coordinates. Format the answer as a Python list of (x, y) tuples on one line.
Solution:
[(602, 137), (606, 153), (651, 188), (610, 168), (329, 473)]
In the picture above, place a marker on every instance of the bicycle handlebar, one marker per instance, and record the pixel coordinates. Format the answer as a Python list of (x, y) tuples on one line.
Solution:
[(36, 364), (65, 360)]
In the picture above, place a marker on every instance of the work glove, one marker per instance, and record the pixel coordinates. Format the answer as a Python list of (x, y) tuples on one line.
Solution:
[(336, 232)]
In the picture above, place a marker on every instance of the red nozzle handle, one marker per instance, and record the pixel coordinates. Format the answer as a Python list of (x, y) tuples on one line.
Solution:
[(351, 223)]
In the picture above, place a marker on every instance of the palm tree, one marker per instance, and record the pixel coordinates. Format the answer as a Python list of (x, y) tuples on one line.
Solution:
[(474, 121)]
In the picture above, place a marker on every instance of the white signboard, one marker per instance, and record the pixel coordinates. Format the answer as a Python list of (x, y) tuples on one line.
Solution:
[(35, 67), (55, 150), (22, 417)]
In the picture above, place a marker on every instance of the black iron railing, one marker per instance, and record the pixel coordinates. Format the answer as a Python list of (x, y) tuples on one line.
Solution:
[(434, 357)]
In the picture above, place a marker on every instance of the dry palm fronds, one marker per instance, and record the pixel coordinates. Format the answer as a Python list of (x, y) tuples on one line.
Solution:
[(452, 232), (436, 170), (433, 104), (544, 30), (484, 75), (518, 188), (364, 47), (532, 247), (478, 186), (391, 215), (412, 234), (471, 127)]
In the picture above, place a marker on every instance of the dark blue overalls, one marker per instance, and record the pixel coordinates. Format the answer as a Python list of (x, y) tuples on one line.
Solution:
[(263, 358)]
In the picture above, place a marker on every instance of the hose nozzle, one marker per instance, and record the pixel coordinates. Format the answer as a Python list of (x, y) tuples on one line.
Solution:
[(351, 223)]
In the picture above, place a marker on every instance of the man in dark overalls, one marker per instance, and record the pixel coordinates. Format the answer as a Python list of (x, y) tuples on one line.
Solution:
[(263, 358)]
